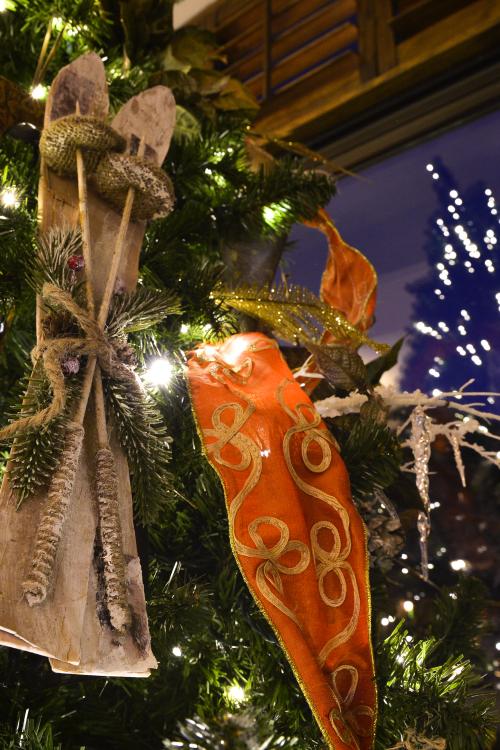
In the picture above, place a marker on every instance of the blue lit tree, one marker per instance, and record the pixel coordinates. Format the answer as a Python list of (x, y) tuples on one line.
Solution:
[(455, 326)]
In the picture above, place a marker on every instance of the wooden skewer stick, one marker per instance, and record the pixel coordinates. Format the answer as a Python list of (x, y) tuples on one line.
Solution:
[(84, 223), (108, 293)]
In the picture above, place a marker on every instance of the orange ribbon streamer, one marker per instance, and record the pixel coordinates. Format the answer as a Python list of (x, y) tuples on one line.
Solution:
[(295, 533)]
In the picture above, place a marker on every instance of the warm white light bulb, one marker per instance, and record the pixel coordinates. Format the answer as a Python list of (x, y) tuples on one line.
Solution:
[(458, 564), (177, 651), (9, 197), (408, 606), (39, 91), (159, 372), (236, 694)]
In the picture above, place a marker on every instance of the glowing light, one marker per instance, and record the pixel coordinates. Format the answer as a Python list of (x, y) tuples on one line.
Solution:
[(384, 622), (458, 201), (236, 694), (159, 372), (39, 91), (408, 606), (461, 330), (470, 348), (3, 6), (497, 645), (10, 198), (435, 176), (485, 344), (177, 651), (404, 571), (429, 167), (477, 360), (436, 392), (453, 193), (275, 213), (434, 372), (404, 556), (459, 564), (184, 328), (487, 191)]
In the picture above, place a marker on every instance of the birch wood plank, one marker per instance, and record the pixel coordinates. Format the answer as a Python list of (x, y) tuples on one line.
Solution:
[(67, 626), (150, 115)]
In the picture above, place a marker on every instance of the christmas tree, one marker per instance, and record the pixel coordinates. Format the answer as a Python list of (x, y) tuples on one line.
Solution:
[(456, 307), (206, 268)]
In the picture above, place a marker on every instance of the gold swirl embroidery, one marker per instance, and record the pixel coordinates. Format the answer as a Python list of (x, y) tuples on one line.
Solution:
[(334, 561), (270, 570), (327, 561), (350, 722), (230, 434)]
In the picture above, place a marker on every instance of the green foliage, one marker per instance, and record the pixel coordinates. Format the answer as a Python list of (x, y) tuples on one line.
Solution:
[(140, 310), (370, 450), (376, 368), (28, 734), (36, 451), (342, 367), (50, 261), (459, 620), (438, 698), (144, 437)]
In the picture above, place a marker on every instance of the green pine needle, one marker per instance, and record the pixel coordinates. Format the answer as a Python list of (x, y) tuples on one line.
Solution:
[(145, 440), (446, 700)]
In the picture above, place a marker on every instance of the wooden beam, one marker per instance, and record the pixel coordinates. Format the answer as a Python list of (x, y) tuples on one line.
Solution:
[(458, 41), (459, 102), (267, 65), (384, 33), (367, 40)]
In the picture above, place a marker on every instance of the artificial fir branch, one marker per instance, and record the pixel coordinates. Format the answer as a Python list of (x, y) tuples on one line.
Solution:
[(140, 310), (50, 262), (145, 440), (36, 452), (370, 450), (444, 700)]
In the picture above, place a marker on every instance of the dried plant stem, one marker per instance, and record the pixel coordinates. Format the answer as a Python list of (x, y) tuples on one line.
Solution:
[(54, 513)]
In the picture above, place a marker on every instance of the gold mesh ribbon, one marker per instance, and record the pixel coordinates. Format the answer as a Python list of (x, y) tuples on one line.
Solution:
[(113, 173)]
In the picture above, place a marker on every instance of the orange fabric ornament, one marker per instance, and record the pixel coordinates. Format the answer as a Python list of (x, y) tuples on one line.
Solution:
[(296, 535)]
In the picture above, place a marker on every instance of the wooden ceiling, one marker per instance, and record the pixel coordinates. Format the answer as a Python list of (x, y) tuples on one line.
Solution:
[(358, 77)]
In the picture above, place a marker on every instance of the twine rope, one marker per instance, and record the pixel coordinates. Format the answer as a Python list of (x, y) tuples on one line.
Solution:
[(112, 171), (51, 352)]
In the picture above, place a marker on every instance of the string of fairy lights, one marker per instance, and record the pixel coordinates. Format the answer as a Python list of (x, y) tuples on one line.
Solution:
[(460, 249)]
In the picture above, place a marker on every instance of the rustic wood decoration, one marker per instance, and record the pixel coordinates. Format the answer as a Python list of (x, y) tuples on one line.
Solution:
[(66, 622)]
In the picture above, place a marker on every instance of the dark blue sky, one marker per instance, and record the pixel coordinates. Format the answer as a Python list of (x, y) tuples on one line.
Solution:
[(385, 213)]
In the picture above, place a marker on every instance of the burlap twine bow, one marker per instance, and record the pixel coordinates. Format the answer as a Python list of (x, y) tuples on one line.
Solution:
[(112, 172), (52, 351), (414, 741)]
